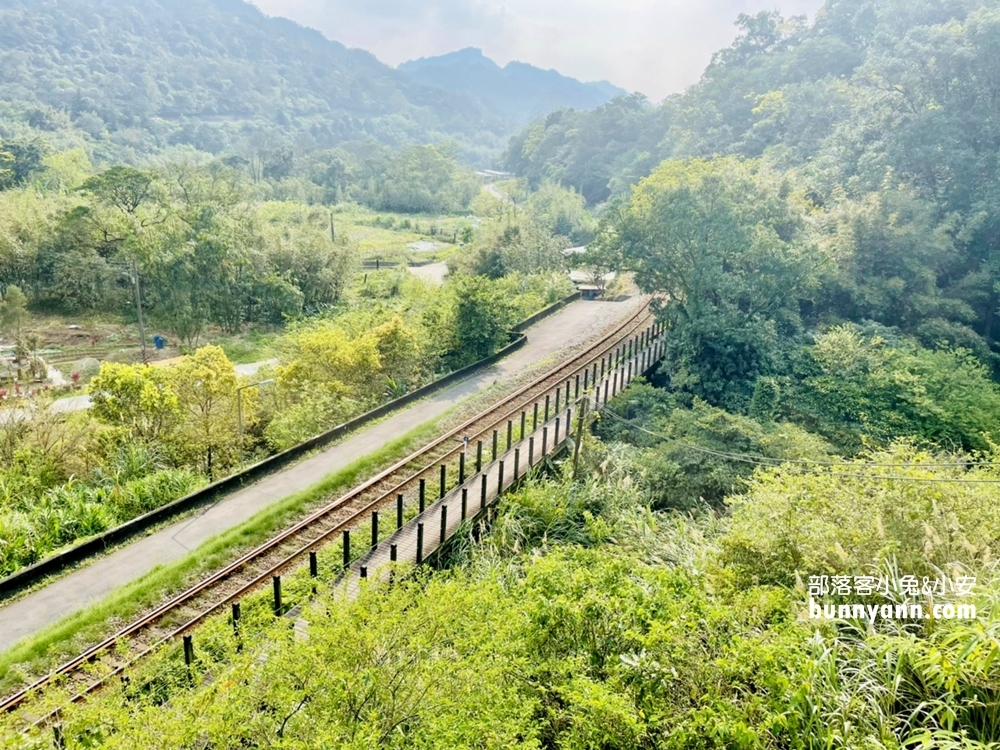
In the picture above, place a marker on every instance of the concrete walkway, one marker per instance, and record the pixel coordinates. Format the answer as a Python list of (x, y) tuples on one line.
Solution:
[(434, 272), (427, 531), (75, 591)]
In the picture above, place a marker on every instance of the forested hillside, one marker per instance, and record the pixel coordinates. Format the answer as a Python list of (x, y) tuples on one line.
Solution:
[(786, 537), (882, 117), (131, 78), (870, 85), (516, 92)]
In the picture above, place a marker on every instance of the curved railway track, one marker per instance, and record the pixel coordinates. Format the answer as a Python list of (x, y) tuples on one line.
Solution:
[(290, 548)]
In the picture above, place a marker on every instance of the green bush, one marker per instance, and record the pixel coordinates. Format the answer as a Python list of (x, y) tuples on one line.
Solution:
[(699, 455), (848, 520), (32, 529), (853, 387)]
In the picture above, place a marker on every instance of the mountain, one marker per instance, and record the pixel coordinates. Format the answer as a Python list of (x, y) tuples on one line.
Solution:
[(517, 92), (131, 77)]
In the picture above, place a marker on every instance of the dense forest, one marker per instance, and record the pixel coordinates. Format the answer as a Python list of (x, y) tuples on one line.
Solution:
[(878, 122), (818, 221), (129, 79)]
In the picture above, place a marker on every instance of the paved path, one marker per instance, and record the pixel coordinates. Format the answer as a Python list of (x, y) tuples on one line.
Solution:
[(71, 404), (433, 272), (73, 592), (254, 367), (442, 519), (499, 194)]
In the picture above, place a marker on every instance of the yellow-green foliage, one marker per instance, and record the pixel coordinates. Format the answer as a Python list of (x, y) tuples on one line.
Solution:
[(139, 398), (855, 384), (326, 358), (333, 370), (586, 649), (597, 628), (848, 519), (189, 410), (207, 430)]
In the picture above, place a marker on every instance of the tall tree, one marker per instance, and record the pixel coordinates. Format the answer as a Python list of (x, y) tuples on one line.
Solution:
[(483, 318), (13, 311), (138, 398), (128, 204), (722, 242), (206, 384)]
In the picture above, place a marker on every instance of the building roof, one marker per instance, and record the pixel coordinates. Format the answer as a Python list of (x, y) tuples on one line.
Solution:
[(586, 277)]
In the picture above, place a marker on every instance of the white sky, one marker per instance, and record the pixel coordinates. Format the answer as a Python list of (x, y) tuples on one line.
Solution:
[(658, 47)]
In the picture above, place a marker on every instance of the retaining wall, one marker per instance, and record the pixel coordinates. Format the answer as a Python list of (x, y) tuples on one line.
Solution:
[(29, 576)]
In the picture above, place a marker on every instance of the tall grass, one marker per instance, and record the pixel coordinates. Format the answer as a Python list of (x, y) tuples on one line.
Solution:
[(44, 650)]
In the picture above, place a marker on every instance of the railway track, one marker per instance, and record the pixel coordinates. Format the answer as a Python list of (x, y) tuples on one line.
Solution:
[(289, 549)]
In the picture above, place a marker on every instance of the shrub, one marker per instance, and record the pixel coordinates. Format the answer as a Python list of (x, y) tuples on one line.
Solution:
[(847, 519)]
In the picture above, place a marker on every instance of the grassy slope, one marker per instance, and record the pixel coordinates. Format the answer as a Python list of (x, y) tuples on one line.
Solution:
[(68, 637)]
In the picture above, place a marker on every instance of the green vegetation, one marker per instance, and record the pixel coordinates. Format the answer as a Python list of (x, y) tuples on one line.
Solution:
[(126, 81), (202, 252), (271, 262), (877, 122), (44, 650), (154, 434), (586, 619), (818, 219)]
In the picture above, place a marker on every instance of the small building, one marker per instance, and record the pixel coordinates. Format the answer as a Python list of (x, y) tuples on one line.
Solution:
[(580, 276), (590, 291), (491, 175)]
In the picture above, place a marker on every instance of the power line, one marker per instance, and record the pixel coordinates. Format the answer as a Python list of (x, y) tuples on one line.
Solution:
[(805, 464)]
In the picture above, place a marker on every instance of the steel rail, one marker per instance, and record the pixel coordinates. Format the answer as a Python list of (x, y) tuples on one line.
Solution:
[(592, 353)]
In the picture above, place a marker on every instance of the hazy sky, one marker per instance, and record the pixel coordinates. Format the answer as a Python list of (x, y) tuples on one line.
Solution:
[(657, 47)]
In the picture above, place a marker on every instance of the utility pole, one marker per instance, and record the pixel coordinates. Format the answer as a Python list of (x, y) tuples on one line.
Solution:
[(138, 309)]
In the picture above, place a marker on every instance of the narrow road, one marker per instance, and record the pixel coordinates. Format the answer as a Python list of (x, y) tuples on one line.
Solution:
[(253, 368), (71, 404), (497, 193), (434, 272), (80, 588)]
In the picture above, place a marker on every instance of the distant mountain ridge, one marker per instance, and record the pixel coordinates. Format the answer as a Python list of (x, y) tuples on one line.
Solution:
[(133, 77), (517, 92)]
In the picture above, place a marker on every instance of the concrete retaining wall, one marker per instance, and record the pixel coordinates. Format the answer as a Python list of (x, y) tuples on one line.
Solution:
[(29, 576)]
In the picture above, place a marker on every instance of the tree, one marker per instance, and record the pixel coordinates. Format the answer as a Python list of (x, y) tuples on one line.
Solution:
[(604, 255), (125, 189), (515, 243), (67, 170), (562, 212), (483, 318), (13, 314), (18, 161), (401, 355), (139, 398), (206, 384), (320, 267), (762, 33), (131, 199), (13, 311), (722, 242), (415, 179), (860, 387)]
